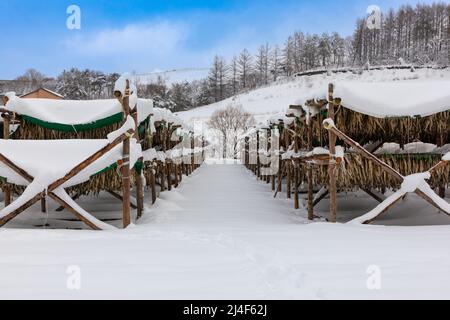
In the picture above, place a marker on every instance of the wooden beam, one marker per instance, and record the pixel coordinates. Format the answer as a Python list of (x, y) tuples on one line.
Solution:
[(119, 197), (75, 197), (322, 196), (332, 166), (310, 177), (374, 195), (21, 209), (69, 208), (363, 152), (7, 186)]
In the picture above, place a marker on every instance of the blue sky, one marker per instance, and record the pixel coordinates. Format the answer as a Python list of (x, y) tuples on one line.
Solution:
[(149, 35)]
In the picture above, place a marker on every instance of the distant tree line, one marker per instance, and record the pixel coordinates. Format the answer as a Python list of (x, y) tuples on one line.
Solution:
[(410, 35), (417, 35)]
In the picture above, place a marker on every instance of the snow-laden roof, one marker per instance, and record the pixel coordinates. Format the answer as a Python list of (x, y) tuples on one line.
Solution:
[(73, 112), (395, 98)]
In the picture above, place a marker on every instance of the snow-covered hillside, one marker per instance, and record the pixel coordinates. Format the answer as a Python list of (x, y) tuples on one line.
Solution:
[(274, 99), (173, 76)]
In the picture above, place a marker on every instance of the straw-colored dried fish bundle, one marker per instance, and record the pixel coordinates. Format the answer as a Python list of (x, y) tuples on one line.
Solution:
[(358, 172)]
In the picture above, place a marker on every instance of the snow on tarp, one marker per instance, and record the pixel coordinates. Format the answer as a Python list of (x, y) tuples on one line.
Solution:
[(160, 114), (446, 157), (394, 99), (128, 125), (413, 148), (53, 159), (74, 112), (144, 108)]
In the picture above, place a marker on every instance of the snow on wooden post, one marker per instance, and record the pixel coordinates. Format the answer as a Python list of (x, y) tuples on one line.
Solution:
[(6, 128), (124, 98), (332, 166)]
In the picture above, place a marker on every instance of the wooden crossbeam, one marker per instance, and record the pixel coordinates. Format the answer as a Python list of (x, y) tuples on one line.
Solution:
[(91, 159), (72, 210), (374, 195), (119, 197), (21, 209), (75, 197), (329, 125), (322, 196), (24, 174)]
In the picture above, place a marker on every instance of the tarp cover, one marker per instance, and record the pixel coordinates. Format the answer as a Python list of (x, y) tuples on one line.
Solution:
[(51, 160), (74, 115), (395, 98)]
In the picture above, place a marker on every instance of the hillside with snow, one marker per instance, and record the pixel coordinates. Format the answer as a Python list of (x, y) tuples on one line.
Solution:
[(275, 98), (173, 76)]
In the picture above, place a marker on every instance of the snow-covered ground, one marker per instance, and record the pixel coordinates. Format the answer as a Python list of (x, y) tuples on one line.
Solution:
[(221, 234)]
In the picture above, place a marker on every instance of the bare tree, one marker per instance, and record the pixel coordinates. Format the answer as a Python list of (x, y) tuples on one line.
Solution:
[(217, 77), (245, 66), (230, 123)]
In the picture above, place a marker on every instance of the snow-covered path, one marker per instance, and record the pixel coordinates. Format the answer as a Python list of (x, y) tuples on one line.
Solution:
[(222, 235)]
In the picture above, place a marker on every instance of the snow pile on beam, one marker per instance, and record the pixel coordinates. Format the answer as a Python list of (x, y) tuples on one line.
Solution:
[(128, 125), (413, 182), (395, 99)]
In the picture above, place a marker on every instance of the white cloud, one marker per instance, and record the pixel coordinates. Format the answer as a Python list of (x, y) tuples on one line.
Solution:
[(154, 39)]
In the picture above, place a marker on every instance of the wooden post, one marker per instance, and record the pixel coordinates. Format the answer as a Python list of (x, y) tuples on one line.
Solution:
[(280, 175), (153, 184), (138, 175), (180, 172), (203, 149), (441, 189), (332, 166), (258, 163), (192, 149), (310, 175), (296, 173), (169, 175), (288, 179), (175, 171), (162, 176), (296, 183), (125, 169), (43, 205), (7, 186)]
